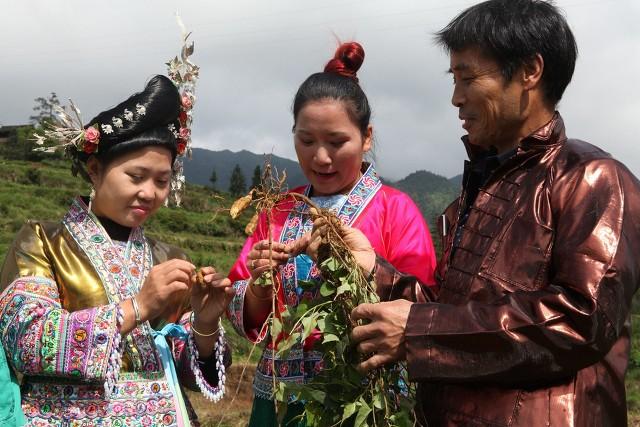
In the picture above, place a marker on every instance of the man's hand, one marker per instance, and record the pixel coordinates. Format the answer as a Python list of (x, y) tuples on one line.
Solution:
[(384, 335)]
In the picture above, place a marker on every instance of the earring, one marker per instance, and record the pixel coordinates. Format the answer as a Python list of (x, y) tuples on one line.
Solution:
[(92, 195)]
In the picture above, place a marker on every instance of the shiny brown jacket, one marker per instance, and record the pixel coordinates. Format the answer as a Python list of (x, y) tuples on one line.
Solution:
[(531, 324)]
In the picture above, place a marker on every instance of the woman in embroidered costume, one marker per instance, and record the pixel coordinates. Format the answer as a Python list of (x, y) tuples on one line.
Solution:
[(90, 302), (331, 135)]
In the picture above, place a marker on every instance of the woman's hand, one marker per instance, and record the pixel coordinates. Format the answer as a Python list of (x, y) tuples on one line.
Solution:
[(355, 240), (210, 299), (258, 260), (162, 282)]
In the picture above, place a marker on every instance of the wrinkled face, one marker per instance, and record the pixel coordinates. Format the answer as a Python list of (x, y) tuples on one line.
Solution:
[(330, 147), (131, 187), (490, 108)]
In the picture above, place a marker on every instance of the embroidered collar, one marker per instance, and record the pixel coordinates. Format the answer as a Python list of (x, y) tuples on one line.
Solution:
[(121, 276)]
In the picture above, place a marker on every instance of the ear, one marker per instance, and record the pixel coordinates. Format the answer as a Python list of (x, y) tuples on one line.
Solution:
[(532, 72), (367, 140), (94, 170)]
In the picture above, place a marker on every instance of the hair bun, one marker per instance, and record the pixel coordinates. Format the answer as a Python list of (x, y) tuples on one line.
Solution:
[(347, 60)]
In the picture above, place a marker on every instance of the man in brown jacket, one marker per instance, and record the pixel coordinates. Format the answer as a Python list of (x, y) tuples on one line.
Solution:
[(531, 324)]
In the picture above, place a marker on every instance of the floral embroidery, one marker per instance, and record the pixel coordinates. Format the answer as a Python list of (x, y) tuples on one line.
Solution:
[(75, 345), (119, 284), (134, 403), (355, 199)]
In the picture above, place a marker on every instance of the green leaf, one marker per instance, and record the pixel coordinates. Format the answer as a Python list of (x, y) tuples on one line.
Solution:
[(308, 324), (301, 309), (377, 401), (279, 392), (344, 288), (311, 418), (264, 280), (276, 327), (315, 394), (286, 314), (363, 413), (307, 285), (334, 326), (285, 345), (330, 264), (327, 289), (330, 338), (349, 409), (400, 419), (354, 377)]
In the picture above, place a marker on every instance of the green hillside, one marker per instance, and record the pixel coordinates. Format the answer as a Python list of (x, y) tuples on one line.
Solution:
[(432, 193)]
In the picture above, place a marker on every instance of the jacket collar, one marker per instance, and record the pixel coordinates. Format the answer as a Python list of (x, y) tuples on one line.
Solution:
[(550, 134)]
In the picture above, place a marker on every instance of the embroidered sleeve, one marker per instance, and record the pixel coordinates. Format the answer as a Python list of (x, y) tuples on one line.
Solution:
[(198, 373), (240, 275), (41, 338), (235, 313)]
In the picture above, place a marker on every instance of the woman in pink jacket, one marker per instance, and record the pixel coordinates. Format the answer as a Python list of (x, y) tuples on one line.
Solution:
[(332, 133)]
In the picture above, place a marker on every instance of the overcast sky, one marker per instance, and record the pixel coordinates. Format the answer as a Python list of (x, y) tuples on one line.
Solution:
[(254, 54)]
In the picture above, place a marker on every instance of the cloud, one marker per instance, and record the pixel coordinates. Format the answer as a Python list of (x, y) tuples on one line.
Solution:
[(254, 55)]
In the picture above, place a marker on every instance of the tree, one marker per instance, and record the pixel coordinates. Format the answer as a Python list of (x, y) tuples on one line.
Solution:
[(44, 109), (257, 177), (20, 143), (237, 183), (213, 179)]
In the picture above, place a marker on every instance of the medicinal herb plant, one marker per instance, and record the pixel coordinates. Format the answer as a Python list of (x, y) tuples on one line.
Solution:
[(339, 395)]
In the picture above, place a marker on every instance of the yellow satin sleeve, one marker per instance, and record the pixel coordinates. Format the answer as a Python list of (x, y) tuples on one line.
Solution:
[(46, 249)]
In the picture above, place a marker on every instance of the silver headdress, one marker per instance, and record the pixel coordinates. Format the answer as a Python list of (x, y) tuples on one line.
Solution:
[(184, 75), (71, 136)]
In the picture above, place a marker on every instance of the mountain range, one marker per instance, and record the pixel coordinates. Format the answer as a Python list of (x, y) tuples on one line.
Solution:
[(198, 169), (431, 192)]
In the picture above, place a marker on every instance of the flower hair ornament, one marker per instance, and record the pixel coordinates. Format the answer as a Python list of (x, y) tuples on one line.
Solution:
[(66, 128), (70, 135)]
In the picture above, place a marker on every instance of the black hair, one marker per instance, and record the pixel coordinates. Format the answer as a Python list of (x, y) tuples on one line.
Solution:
[(160, 101), (338, 82), (512, 32)]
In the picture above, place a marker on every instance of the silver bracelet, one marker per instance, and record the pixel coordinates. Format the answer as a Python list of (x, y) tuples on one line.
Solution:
[(136, 310)]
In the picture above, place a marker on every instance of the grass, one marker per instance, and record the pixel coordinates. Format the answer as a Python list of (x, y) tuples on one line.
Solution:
[(633, 374), (43, 190)]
